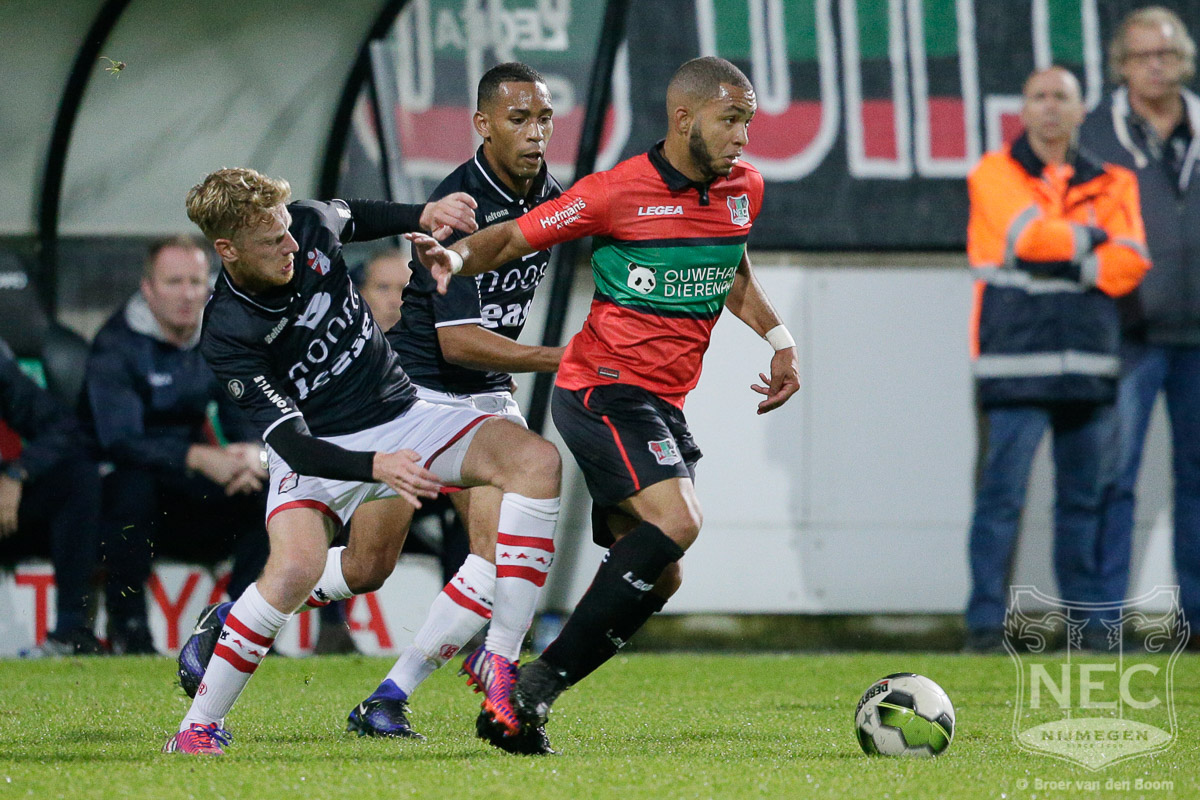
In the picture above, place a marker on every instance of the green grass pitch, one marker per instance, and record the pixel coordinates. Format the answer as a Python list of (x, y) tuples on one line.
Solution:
[(645, 726)]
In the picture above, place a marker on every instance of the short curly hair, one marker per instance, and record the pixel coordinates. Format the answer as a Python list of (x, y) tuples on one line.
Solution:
[(701, 78), (230, 200)]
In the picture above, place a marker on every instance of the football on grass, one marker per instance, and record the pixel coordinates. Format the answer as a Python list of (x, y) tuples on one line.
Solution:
[(904, 715)]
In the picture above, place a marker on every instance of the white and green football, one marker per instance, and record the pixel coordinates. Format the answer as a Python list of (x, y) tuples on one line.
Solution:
[(904, 715)]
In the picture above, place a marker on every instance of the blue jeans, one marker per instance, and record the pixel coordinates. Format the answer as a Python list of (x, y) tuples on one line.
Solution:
[(1084, 465), (1149, 369)]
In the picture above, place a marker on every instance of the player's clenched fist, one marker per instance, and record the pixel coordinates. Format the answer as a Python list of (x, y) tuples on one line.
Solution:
[(455, 211), (403, 472)]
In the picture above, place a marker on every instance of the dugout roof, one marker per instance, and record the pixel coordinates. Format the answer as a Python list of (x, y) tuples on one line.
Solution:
[(220, 83)]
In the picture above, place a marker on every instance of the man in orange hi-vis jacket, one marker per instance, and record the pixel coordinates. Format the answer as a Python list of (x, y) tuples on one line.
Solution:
[(1054, 236)]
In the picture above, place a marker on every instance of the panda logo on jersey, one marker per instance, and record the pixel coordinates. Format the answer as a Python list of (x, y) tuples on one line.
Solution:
[(641, 279)]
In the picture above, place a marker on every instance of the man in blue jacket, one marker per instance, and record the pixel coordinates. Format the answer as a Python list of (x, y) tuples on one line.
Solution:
[(1151, 124), (174, 486), (48, 484)]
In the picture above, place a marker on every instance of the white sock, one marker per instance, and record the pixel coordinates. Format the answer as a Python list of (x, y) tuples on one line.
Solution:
[(332, 585), (459, 612), (249, 632), (524, 552)]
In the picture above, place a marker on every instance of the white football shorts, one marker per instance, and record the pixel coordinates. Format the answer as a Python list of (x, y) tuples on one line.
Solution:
[(438, 433), (500, 403)]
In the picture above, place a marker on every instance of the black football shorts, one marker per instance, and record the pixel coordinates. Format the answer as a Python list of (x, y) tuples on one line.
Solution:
[(624, 438)]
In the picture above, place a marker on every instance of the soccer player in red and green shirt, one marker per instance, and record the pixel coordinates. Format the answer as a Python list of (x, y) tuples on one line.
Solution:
[(670, 229)]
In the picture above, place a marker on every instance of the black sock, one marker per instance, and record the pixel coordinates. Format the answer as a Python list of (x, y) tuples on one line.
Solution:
[(617, 636), (615, 603)]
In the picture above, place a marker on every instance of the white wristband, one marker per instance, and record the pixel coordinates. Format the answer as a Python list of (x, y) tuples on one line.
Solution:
[(779, 338), (456, 261)]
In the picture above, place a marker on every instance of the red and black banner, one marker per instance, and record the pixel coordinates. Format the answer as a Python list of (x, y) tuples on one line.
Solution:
[(871, 112)]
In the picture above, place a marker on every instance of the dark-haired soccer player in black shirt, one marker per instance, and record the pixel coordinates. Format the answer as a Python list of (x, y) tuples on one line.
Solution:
[(294, 344), (459, 348)]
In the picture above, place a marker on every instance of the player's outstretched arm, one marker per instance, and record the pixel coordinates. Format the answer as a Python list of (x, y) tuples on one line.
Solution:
[(378, 219), (476, 347), (478, 253), (749, 303)]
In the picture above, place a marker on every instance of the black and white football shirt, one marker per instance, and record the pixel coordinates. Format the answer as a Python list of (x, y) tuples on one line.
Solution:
[(498, 300), (311, 348)]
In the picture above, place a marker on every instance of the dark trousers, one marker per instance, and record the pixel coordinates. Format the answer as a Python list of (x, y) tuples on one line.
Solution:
[(149, 514), (1084, 439), (59, 517), (1175, 372)]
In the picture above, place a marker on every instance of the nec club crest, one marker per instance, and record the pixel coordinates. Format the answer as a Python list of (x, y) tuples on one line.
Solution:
[(318, 261), (665, 451), (739, 209)]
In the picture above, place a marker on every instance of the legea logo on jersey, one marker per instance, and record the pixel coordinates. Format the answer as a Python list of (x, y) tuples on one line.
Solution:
[(739, 209), (660, 211), (318, 261)]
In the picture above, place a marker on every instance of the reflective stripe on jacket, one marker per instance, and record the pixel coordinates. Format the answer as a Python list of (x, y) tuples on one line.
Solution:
[(1052, 246)]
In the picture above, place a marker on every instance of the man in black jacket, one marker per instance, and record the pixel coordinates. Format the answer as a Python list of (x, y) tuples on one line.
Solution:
[(48, 484), (459, 348), (174, 487), (1151, 125)]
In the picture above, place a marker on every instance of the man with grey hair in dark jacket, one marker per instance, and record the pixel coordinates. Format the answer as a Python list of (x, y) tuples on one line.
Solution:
[(174, 485), (1151, 124)]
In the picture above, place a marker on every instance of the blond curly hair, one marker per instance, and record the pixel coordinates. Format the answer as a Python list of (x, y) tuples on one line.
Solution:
[(230, 200)]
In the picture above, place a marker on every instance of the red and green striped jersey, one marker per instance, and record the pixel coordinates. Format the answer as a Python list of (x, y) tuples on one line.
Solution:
[(665, 251)]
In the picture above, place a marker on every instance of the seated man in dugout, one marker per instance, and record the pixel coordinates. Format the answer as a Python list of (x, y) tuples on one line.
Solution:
[(174, 489), (41, 453)]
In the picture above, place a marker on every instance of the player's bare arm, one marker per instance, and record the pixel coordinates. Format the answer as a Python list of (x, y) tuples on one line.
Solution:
[(748, 302), (476, 347), (479, 253), (454, 211)]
